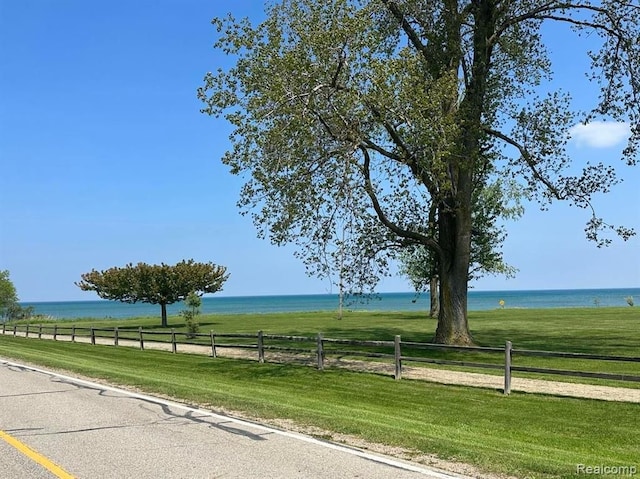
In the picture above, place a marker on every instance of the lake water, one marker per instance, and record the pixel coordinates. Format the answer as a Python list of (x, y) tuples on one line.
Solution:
[(478, 300)]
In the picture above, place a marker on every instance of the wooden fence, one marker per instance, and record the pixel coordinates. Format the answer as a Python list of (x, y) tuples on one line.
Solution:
[(319, 348)]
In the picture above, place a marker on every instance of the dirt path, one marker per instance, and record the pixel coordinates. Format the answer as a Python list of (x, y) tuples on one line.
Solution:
[(539, 386)]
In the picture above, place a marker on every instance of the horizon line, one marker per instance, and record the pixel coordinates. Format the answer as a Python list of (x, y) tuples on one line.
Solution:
[(471, 290)]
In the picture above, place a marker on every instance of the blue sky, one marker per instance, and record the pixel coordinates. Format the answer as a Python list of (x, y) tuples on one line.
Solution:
[(106, 160)]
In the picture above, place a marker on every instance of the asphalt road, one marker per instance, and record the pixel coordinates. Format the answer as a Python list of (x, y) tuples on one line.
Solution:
[(88, 430)]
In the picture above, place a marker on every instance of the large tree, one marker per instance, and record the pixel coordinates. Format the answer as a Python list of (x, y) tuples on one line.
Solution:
[(492, 204), (156, 284), (393, 114)]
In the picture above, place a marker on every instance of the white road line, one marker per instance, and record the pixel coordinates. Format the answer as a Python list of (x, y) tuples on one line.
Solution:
[(356, 452)]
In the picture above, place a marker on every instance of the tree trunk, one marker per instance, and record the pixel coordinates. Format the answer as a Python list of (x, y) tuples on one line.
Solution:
[(163, 307), (455, 244), (434, 297)]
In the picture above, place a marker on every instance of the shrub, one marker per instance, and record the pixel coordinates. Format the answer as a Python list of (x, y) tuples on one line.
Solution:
[(15, 312), (190, 315)]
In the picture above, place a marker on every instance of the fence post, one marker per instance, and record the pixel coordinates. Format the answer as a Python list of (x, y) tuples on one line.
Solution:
[(141, 339), (507, 367), (73, 334), (260, 347), (398, 356), (174, 348), (93, 336), (55, 332), (213, 344), (115, 336), (4, 327), (39, 332), (27, 333), (14, 329), (320, 352)]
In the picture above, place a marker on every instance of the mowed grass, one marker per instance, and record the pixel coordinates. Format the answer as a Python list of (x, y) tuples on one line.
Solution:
[(522, 435), (593, 330), (602, 331)]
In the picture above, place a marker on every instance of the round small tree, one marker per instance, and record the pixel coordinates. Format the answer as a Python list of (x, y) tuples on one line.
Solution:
[(156, 284)]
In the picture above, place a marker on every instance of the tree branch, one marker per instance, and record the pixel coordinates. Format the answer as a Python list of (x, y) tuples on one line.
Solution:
[(403, 233), (528, 158), (410, 158), (413, 36), (544, 12), (366, 143)]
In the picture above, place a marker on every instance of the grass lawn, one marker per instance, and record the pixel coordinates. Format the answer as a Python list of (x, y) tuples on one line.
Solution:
[(593, 330), (524, 435), (603, 331)]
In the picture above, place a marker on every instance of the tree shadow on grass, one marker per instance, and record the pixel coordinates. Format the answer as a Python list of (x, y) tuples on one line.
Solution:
[(584, 341), (248, 369), (175, 324)]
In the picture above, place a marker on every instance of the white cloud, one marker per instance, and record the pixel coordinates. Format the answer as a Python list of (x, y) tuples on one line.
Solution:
[(600, 134)]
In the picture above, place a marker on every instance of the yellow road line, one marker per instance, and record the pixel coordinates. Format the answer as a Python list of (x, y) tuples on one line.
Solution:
[(35, 456)]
